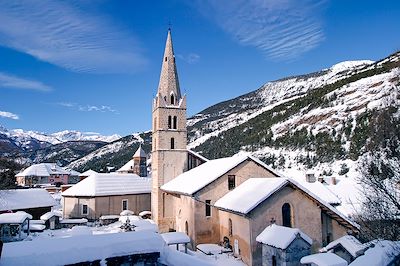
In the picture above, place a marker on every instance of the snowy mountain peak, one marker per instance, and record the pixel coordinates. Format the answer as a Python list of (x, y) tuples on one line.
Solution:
[(32, 140), (3, 129), (345, 65), (72, 135)]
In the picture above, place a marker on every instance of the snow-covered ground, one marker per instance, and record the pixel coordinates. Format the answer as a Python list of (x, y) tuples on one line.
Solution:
[(215, 257)]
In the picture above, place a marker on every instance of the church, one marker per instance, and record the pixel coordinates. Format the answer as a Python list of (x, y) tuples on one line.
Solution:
[(226, 200)]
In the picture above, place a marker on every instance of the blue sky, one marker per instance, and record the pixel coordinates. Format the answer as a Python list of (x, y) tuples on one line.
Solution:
[(94, 65)]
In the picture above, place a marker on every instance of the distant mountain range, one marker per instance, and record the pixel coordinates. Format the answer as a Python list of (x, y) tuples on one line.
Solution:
[(64, 146), (331, 116)]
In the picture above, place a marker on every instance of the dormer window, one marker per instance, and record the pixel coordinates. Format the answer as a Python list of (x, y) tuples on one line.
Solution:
[(165, 59), (172, 99)]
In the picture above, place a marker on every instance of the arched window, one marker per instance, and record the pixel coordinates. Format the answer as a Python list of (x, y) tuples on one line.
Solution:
[(165, 59), (172, 99), (175, 122), (172, 143), (230, 227), (169, 122), (286, 215), (186, 228)]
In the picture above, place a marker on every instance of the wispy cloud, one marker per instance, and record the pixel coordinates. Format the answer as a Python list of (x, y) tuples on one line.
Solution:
[(102, 108), (69, 35), (9, 115), (191, 58), (88, 107), (10, 81), (282, 29)]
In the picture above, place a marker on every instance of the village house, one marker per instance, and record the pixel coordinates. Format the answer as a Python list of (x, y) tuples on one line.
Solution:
[(35, 201), (196, 191), (245, 211), (46, 173), (107, 194)]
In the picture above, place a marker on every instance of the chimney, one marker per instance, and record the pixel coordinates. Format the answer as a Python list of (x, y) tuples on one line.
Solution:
[(310, 177)]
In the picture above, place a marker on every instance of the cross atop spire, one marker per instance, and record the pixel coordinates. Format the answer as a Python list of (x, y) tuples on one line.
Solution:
[(168, 87)]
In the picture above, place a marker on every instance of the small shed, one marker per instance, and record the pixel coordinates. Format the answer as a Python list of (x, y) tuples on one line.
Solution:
[(323, 259), (283, 245), (347, 247), (12, 226), (51, 219), (176, 238)]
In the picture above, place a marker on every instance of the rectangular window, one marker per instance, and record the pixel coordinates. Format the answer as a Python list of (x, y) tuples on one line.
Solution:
[(231, 182), (208, 208), (85, 210), (124, 204)]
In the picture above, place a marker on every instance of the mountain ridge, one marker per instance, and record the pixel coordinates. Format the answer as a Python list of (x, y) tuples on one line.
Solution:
[(259, 121)]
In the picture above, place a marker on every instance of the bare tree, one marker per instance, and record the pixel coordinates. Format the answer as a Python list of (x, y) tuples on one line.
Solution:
[(379, 216)]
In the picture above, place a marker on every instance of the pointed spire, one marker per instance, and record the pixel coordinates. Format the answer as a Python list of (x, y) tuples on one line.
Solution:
[(169, 82), (140, 153)]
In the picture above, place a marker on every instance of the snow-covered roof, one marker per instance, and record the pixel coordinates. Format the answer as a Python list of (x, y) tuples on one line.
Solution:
[(17, 199), (127, 167), (74, 221), (145, 213), (88, 173), (14, 218), (172, 238), (43, 169), (73, 172), (250, 193), (281, 236), (197, 155), (254, 191), (320, 190), (381, 252), (50, 214), (140, 152), (197, 178), (80, 248), (324, 259), (126, 213), (110, 184), (350, 243), (107, 217)]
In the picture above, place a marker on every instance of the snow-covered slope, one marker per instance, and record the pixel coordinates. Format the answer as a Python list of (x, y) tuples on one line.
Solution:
[(114, 154), (223, 116)]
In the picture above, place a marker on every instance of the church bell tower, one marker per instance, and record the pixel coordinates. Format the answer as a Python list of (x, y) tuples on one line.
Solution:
[(169, 153)]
